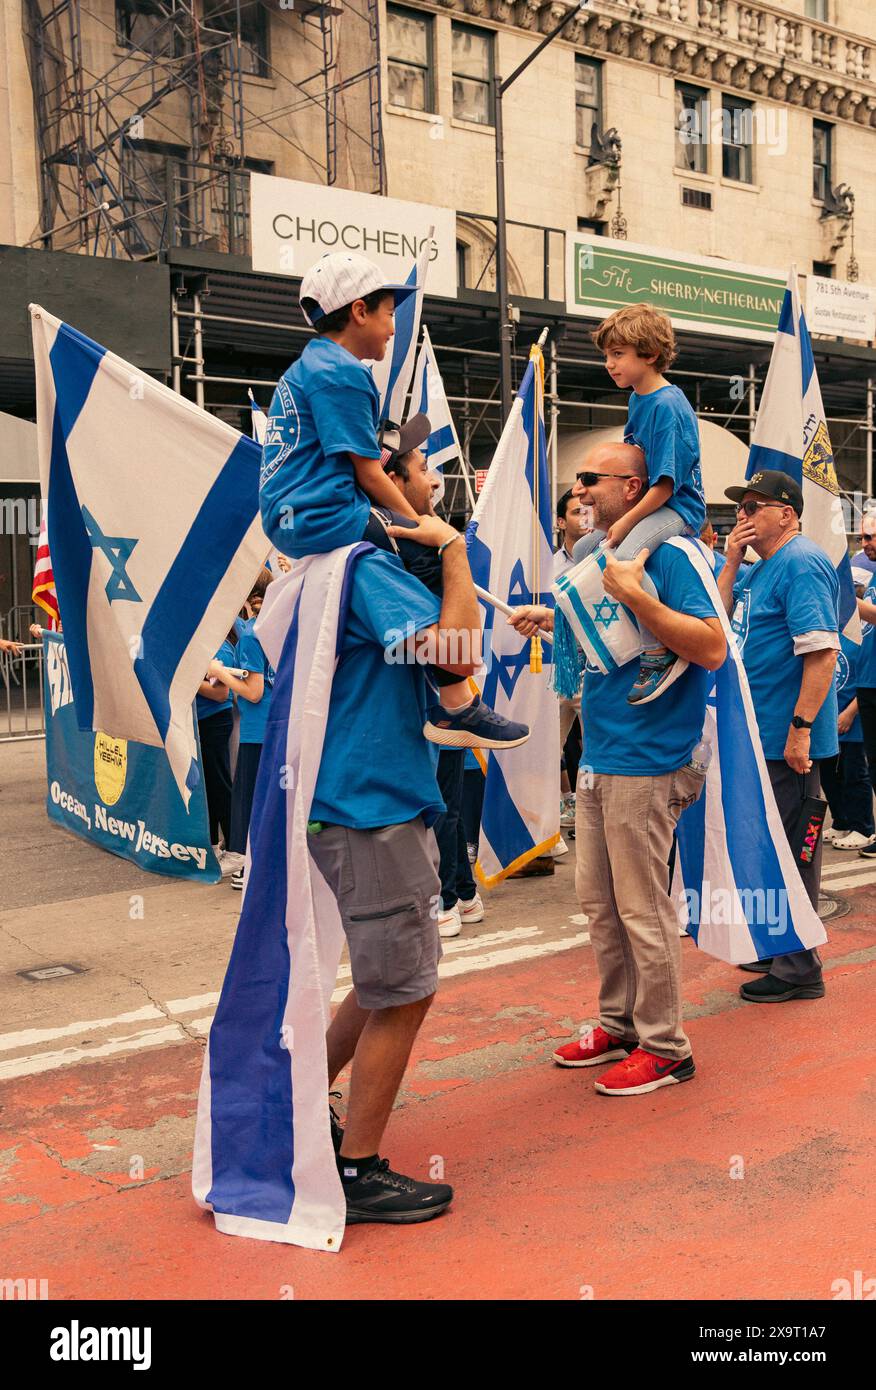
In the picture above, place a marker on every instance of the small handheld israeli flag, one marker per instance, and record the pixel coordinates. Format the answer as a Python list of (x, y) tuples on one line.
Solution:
[(428, 397), (597, 625), (392, 375)]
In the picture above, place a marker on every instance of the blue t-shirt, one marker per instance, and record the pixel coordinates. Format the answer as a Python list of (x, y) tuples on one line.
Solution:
[(648, 740), (376, 766), (846, 684), (204, 707), (664, 426), (254, 716), (325, 407), (867, 658), (795, 591)]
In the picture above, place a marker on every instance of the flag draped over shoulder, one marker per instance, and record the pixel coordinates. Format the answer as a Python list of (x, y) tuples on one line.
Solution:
[(429, 398), (736, 880), (264, 1162), (154, 533), (509, 549), (791, 434), (43, 591), (392, 374)]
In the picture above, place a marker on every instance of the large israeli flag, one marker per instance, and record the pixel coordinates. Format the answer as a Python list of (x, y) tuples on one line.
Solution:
[(736, 882), (154, 533), (510, 552), (264, 1162), (429, 398), (393, 374), (791, 434)]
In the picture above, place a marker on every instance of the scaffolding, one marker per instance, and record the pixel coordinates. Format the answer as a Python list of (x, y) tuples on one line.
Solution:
[(151, 152)]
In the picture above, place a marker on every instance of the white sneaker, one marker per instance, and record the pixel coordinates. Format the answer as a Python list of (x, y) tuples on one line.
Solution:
[(229, 863), (450, 922), (473, 910), (560, 848), (854, 840)]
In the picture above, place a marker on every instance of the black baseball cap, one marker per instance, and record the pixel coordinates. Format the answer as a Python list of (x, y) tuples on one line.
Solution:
[(772, 483), (398, 440)]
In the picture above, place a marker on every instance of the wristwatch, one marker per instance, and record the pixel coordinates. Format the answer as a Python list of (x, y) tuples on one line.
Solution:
[(798, 722)]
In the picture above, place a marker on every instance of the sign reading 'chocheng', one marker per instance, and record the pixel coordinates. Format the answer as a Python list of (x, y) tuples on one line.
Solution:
[(293, 224)]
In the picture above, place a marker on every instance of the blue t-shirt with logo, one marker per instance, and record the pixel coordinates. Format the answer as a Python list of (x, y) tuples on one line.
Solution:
[(376, 766), (648, 740), (846, 683), (664, 426), (795, 591), (227, 654), (254, 714), (325, 407)]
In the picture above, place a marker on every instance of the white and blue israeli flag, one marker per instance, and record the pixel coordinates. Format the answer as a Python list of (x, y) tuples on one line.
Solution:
[(791, 434), (429, 398), (393, 374), (736, 882), (511, 556), (155, 537)]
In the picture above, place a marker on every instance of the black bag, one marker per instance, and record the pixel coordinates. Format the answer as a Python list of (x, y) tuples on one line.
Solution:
[(809, 827)]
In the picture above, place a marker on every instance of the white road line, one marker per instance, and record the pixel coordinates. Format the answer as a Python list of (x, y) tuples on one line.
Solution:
[(49, 1061), (28, 1037), (523, 948), (194, 1001), (861, 866), (851, 882)]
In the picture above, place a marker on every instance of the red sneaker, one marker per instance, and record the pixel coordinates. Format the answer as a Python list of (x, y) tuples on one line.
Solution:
[(642, 1071), (595, 1047)]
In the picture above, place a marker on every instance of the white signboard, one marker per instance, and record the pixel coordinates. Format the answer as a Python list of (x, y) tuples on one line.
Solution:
[(293, 224), (840, 309)]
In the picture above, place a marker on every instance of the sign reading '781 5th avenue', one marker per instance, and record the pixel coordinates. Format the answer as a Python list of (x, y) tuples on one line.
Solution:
[(701, 292)]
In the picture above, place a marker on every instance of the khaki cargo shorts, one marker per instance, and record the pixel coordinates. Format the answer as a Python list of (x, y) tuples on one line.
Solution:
[(388, 892)]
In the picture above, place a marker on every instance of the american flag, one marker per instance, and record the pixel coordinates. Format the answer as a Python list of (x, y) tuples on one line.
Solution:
[(43, 592)]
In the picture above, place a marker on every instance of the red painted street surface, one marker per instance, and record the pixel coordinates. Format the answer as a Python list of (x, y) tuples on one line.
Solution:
[(752, 1181)]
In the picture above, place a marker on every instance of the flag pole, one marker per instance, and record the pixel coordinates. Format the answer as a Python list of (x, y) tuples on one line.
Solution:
[(506, 608)]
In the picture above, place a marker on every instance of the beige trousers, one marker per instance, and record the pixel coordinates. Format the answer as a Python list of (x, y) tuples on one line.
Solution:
[(623, 836)]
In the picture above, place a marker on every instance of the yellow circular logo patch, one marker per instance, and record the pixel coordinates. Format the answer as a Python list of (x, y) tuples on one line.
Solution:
[(110, 767)]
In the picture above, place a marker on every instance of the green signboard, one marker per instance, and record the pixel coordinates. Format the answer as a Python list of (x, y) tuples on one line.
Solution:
[(706, 294)]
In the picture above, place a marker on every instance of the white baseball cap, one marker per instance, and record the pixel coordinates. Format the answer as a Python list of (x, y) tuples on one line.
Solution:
[(339, 278)]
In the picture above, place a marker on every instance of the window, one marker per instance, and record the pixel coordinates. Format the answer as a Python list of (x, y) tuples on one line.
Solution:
[(141, 24), (461, 264), (692, 128), (822, 159), (826, 269), (472, 74), (588, 99), (410, 59), (737, 139), (592, 225), (218, 14), (817, 9), (697, 198)]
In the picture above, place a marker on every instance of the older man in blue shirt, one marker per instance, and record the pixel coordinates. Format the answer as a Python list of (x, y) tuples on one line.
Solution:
[(785, 613)]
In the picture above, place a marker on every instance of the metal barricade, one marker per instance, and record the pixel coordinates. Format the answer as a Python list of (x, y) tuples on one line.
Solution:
[(22, 708)]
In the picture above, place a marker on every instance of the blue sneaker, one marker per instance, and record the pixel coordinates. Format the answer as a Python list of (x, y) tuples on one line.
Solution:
[(476, 726), (657, 672)]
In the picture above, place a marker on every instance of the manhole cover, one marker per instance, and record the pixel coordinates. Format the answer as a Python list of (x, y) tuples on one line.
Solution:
[(50, 972), (830, 907)]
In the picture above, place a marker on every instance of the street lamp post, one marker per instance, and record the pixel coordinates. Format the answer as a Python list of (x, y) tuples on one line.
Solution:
[(499, 90)]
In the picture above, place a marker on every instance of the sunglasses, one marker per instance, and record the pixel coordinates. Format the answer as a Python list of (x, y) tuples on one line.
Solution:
[(865, 536), (750, 508), (590, 479)]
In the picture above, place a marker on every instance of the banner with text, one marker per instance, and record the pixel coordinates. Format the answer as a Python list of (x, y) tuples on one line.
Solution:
[(700, 292), (293, 224), (119, 795)]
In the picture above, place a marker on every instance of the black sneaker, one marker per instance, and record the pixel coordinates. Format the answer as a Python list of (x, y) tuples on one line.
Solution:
[(382, 1195), (771, 990), (758, 967), (335, 1122), (868, 852)]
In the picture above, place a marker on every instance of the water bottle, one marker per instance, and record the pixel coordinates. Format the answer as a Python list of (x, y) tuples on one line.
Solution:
[(701, 756)]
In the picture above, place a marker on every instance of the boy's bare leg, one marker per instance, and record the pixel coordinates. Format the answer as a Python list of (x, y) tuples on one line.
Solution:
[(381, 1055)]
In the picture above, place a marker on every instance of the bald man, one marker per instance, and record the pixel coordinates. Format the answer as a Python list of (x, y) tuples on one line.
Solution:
[(635, 779)]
